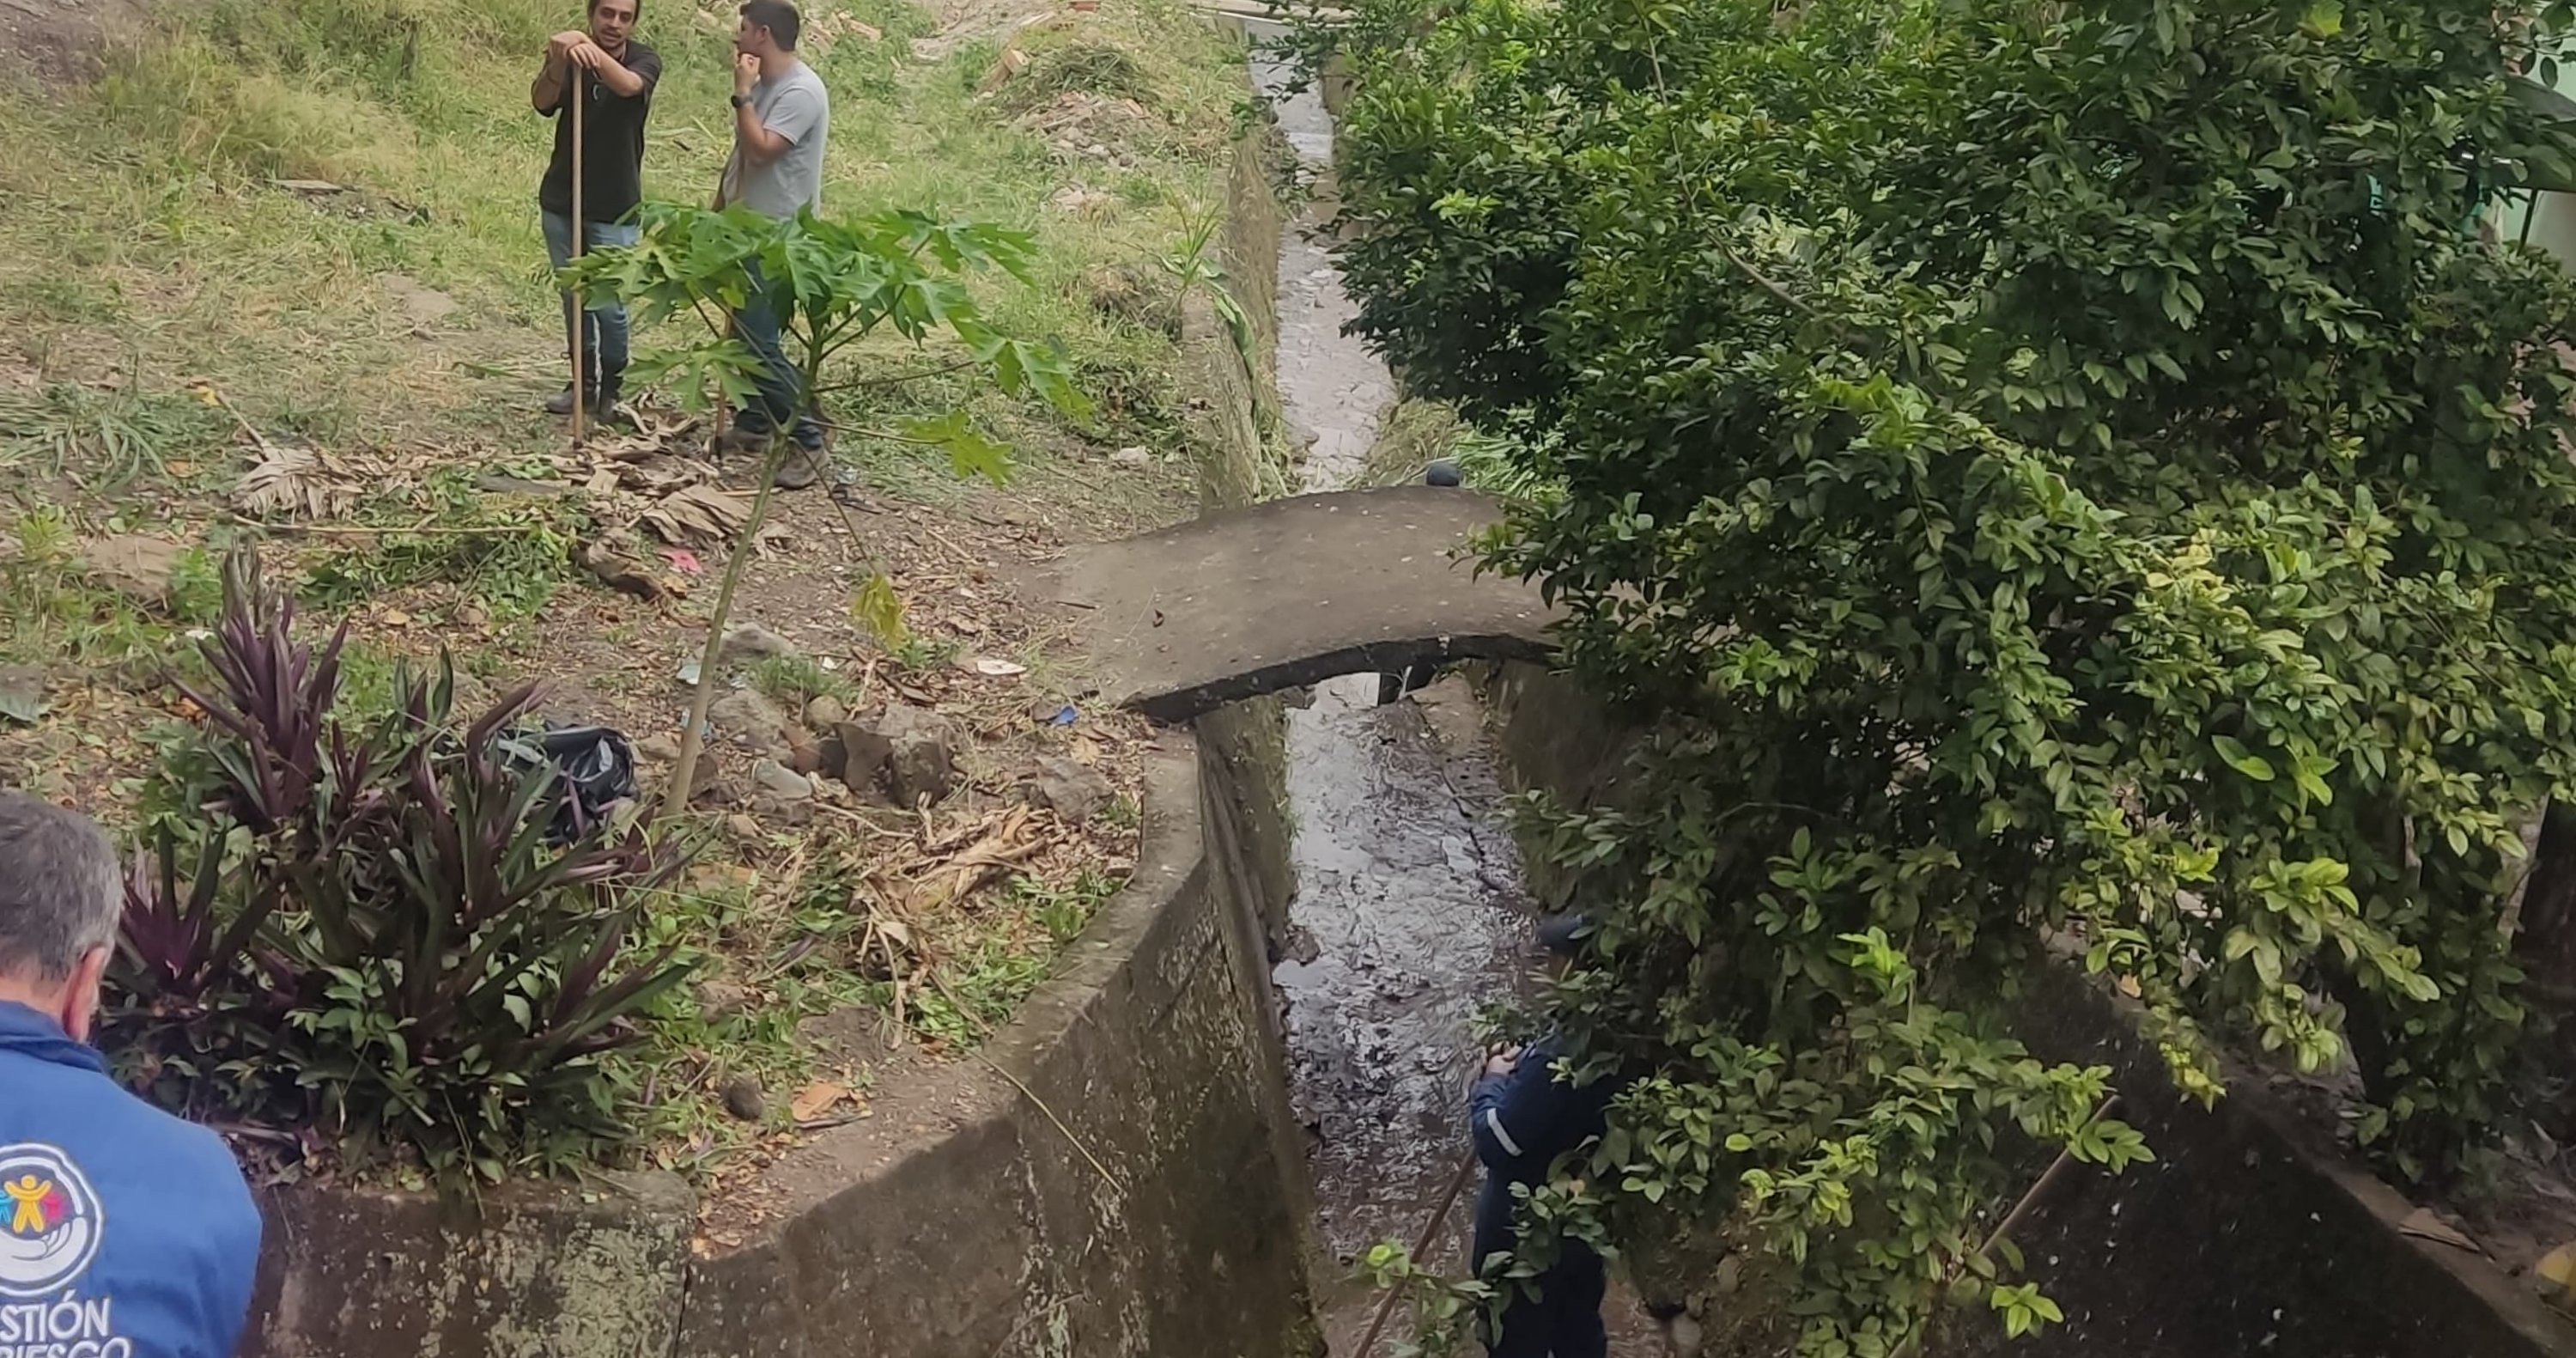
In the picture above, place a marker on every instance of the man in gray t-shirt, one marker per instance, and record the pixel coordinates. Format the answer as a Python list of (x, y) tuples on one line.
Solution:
[(781, 118)]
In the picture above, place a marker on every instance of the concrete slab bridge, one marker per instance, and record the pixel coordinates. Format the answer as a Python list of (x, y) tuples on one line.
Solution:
[(1242, 602)]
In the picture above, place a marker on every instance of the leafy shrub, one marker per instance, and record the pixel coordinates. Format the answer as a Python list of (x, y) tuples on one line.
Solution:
[(370, 941), (2067, 470)]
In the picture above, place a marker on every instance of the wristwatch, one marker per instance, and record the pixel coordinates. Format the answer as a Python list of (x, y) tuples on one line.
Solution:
[(742, 101)]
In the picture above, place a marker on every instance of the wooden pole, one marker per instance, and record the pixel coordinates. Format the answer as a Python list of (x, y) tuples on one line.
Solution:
[(1421, 1247), (580, 315), (2048, 1179)]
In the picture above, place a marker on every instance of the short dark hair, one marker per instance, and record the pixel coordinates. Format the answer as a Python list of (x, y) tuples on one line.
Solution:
[(595, 4), (779, 17), (60, 891)]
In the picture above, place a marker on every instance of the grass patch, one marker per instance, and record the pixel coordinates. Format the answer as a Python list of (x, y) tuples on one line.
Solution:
[(59, 620), (104, 440), (796, 680), (1005, 957), (510, 552), (152, 248)]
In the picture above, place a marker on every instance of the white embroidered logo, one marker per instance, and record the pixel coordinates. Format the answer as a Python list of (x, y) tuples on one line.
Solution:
[(50, 1220)]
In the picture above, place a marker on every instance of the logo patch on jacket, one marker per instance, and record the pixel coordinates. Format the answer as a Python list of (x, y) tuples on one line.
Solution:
[(50, 1220)]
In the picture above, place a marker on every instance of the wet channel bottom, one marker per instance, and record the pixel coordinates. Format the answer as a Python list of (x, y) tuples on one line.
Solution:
[(1409, 915), (1410, 912)]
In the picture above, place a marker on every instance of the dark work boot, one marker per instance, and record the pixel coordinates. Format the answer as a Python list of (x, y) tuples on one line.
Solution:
[(606, 405), (560, 403)]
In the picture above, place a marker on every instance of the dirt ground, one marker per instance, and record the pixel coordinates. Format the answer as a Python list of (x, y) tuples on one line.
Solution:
[(59, 39), (928, 889)]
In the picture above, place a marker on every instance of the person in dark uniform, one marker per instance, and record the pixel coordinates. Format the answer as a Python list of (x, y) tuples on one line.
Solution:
[(1523, 1118)]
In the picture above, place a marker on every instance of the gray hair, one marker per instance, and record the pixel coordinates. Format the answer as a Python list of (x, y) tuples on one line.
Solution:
[(60, 892)]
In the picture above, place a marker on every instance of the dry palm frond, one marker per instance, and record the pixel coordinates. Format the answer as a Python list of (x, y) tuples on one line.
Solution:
[(295, 479)]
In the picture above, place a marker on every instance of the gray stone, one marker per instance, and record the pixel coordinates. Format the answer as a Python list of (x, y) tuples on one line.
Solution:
[(777, 780), (719, 1000), (137, 567), (749, 720), (1074, 791), (22, 692), (804, 752), (1132, 457), (744, 1098), (921, 759), (825, 712), (751, 641), (1244, 602), (661, 745), (864, 750), (908, 752)]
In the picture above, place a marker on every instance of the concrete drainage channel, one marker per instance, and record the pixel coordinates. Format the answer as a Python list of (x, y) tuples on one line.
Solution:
[(1410, 911)]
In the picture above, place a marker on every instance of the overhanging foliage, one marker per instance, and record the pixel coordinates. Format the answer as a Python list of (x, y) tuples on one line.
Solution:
[(2048, 470)]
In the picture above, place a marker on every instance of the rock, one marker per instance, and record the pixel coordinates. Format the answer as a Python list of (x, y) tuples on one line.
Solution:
[(623, 572), (741, 826), (1132, 457), (661, 746), (804, 752), (1072, 790), (833, 758), (22, 693), (910, 752), (744, 1099), (472, 614), (752, 722), (1010, 63), (921, 761), (777, 780), (719, 1000), (824, 713), (137, 567), (424, 304), (751, 641), (864, 751)]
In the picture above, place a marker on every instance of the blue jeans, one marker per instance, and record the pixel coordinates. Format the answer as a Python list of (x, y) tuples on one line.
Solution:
[(781, 399), (604, 331)]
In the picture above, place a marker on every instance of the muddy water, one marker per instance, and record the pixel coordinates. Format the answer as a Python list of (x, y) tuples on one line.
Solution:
[(1409, 911)]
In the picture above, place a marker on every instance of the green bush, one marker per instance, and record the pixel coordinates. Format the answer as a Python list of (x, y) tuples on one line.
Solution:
[(2047, 470), (370, 939)]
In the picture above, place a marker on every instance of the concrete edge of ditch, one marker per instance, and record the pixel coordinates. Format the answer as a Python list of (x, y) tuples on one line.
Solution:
[(1136, 1139), (1123, 1178), (2245, 1236)]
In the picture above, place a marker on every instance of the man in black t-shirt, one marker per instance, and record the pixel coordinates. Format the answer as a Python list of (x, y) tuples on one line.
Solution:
[(617, 76)]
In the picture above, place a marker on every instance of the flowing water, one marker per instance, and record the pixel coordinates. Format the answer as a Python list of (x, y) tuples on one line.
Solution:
[(1410, 911)]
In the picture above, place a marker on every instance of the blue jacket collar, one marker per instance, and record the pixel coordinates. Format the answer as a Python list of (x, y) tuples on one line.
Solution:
[(28, 1033)]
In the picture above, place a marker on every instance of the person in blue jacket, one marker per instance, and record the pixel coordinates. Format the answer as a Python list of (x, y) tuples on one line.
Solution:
[(124, 1232), (1522, 1118)]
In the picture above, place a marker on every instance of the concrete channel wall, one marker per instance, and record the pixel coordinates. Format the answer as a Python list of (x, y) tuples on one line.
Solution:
[(2245, 1237), (1122, 1181)]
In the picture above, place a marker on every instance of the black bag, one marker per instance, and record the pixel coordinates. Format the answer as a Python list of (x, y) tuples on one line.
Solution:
[(594, 770)]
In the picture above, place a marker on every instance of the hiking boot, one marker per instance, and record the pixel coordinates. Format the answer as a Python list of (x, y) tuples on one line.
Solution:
[(741, 438), (560, 403), (608, 409), (801, 467)]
